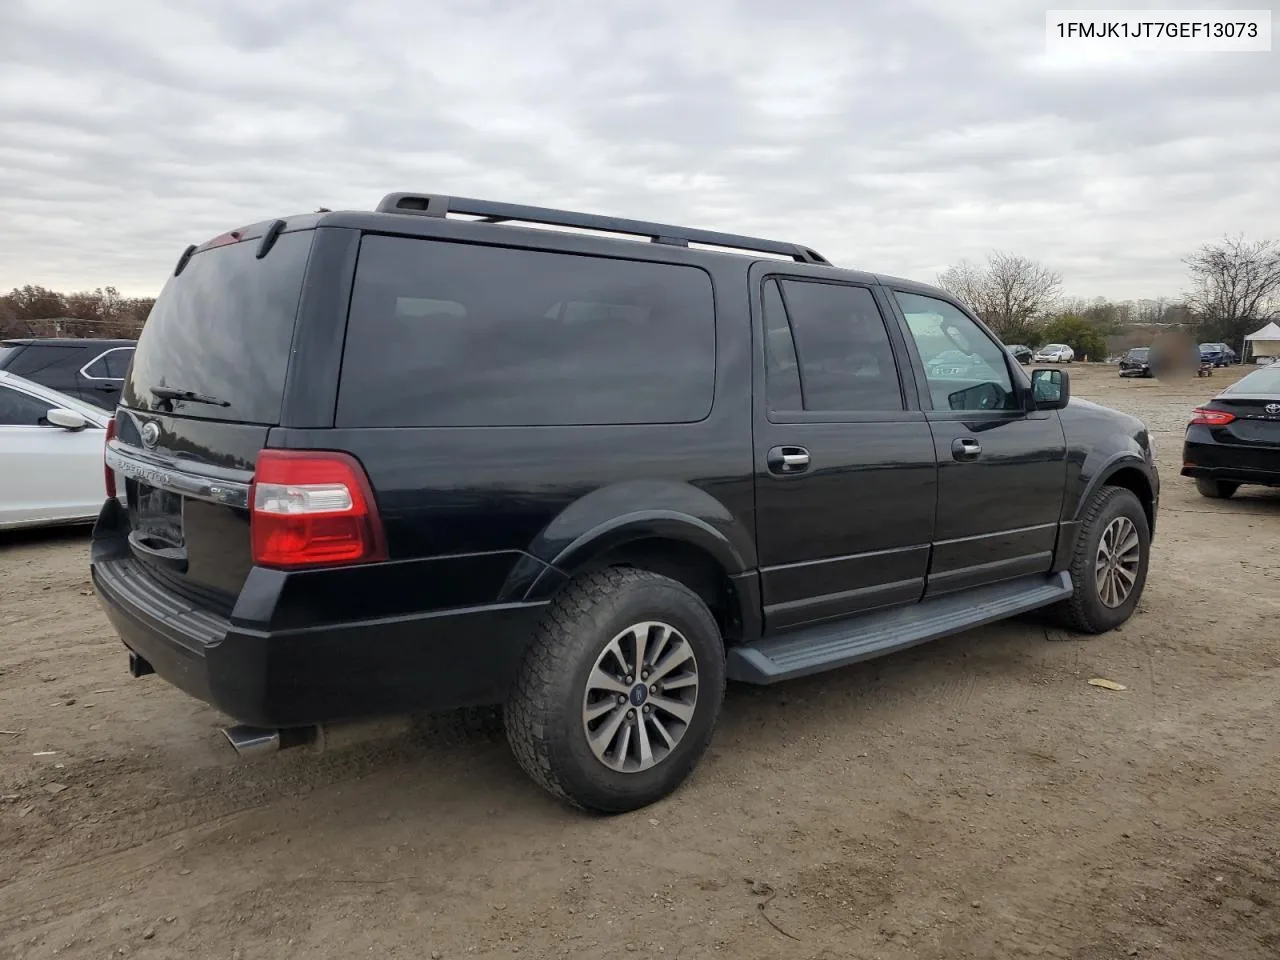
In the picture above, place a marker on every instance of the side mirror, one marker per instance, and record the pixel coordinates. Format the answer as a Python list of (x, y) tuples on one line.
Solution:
[(66, 419), (1051, 389)]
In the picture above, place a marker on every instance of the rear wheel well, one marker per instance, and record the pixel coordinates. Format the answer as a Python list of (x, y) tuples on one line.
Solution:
[(695, 568), (1132, 479)]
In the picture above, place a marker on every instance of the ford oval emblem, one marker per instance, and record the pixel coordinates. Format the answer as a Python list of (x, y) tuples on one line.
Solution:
[(150, 433)]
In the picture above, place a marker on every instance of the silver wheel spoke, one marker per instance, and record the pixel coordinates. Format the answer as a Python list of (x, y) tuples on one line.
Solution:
[(597, 710), (1130, 576), (625, 745), (663, 732), (604, 735), (1129, 544), (642, 639), (681, 653), (599, 680), (681, 711), (646, 749), (679, 683)]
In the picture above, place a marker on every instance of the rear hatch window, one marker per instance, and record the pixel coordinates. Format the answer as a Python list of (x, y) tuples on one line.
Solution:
[(221, 331), (205, 388)]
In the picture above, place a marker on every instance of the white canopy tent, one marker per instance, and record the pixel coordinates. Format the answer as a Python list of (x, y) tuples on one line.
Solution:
[(1262, 343)]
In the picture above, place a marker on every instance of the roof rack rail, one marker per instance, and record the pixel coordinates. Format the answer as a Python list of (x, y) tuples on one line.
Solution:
[(432, 205)]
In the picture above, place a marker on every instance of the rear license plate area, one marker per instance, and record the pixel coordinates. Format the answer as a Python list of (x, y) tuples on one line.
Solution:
[(157, 515)]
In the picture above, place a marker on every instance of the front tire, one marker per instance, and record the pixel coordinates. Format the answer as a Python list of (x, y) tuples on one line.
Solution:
[(1216, 489), (619, 693), (1109, 566)]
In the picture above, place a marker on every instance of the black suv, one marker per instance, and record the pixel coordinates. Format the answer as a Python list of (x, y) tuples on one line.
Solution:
[(1136, 363), (88, 369), (373, 463)]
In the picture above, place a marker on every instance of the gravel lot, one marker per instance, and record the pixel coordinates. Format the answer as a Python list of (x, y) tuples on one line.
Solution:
[(970, 798)]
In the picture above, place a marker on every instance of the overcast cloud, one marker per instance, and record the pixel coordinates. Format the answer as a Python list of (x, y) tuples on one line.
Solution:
[(898, 136)]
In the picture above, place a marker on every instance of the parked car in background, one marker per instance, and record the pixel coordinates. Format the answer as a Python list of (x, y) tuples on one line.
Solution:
[(1136, 363), (1234, 439), (50, 455), (86, 368), (1054, 353), (1217, 354), (1021, 352)]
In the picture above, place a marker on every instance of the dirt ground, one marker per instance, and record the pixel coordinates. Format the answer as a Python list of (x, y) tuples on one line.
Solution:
[(970, 798)]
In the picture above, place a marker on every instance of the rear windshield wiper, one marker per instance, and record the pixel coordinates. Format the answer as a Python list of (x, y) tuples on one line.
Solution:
[(169, 394)]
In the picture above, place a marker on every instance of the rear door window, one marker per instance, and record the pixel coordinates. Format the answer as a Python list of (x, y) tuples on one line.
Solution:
[(223, 329), (112, 365), (445, 334), (835, 349)]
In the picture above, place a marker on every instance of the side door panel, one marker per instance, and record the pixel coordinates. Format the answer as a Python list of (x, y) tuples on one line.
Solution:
[(1001, 471), (850, 531)]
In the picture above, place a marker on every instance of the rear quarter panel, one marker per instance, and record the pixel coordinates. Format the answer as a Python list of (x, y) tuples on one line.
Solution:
[(503, 503)]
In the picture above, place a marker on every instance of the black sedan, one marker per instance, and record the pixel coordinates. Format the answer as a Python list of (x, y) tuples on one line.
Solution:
[(1136, 363), (1234, 439), (1021, 352)]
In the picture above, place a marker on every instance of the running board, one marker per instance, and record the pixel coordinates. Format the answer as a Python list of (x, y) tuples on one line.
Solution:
[(826, 646)]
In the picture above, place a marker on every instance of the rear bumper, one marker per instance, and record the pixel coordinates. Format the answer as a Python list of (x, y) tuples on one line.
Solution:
[(1233, 463), (311, 673)]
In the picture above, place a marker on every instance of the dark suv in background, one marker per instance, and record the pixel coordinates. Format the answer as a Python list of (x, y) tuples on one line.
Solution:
[(370, 463), (88, 369)]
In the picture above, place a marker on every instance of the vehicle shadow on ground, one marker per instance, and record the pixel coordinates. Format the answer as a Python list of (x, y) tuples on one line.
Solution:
[(459, 764), (45, 536)]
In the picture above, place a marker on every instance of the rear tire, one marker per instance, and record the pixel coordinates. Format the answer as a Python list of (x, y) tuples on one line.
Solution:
[(1216, 489), (1109, 566), (565, 686)]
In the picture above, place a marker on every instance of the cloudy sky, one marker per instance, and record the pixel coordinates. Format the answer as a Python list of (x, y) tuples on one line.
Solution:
[(898, 136)]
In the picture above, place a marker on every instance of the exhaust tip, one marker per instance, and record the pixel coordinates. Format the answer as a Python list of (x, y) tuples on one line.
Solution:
[(252, 741)]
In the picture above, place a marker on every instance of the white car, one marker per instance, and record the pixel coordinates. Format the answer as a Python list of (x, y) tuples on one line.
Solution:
[(51, 469), (1054, 353)]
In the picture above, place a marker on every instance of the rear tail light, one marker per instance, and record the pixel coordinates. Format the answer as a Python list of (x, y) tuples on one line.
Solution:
[(313, 508), (1211, 418), (109, 475)]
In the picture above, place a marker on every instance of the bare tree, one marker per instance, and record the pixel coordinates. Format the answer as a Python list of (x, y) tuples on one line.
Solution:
[(1010, 293), (1235, 287)]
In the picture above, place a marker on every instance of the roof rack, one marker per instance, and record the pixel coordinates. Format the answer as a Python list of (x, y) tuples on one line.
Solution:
[(431, 205)]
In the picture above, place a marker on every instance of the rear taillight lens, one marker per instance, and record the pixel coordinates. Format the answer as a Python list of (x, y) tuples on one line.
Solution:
[(1211, 418), (313, 509), (109, 475)]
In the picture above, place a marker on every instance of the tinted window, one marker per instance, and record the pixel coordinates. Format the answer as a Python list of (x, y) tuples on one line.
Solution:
[(846, 363), (19, 410), (113, 365), (966, 369), (444, 334), (782, 372), (36, 359), (223, 328)]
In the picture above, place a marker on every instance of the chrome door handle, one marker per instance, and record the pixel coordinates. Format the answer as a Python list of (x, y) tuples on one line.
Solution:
[(966, 449), (788, 459)]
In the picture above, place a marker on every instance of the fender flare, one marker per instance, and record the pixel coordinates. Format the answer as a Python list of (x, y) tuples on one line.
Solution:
[(1110, 467), (630, 527)]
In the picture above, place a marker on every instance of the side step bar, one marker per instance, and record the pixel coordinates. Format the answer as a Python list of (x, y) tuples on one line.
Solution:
[(825, 646)]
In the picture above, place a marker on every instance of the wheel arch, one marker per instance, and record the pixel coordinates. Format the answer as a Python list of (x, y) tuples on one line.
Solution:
[(685, 548)]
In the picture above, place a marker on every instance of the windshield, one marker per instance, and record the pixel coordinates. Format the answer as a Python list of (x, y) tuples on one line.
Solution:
[(222, 330), (1139, 353)]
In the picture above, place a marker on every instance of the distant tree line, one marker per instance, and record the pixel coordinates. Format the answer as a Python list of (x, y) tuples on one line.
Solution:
[(33, 311), (1233, 288)]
